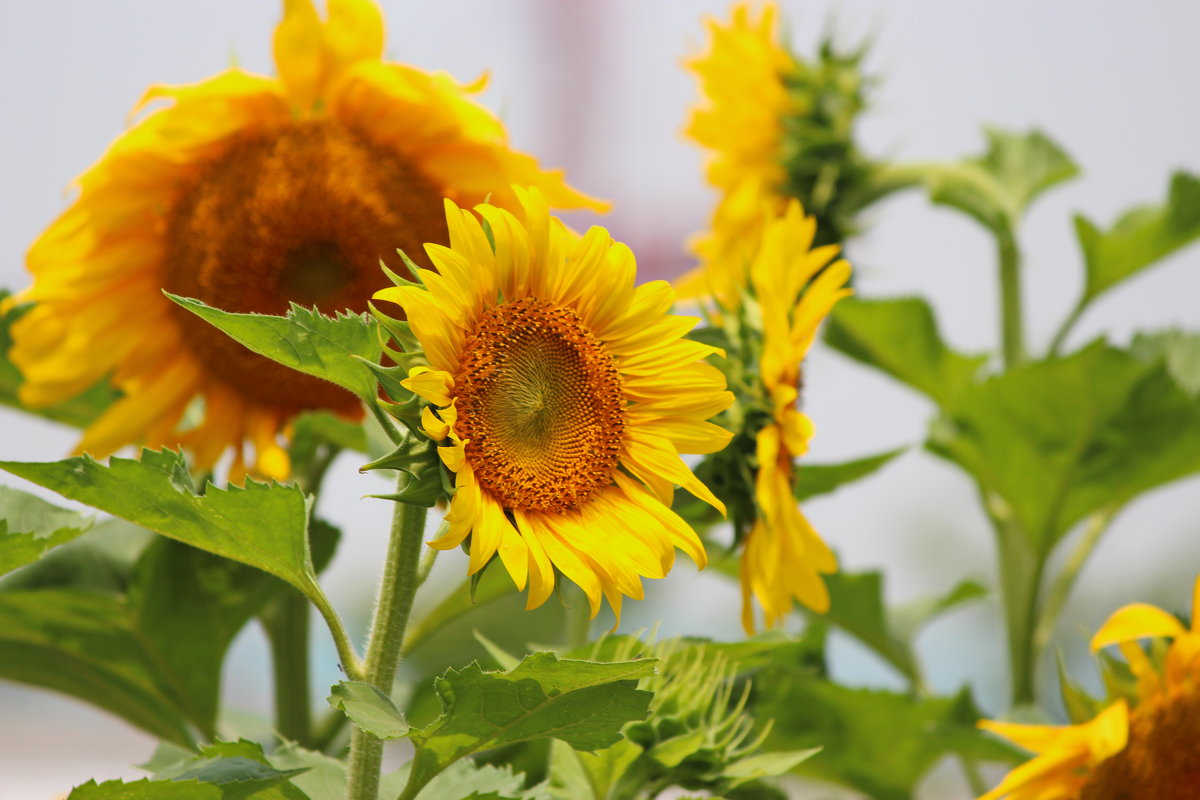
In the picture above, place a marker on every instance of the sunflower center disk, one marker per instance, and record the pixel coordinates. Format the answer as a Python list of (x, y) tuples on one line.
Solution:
[(302, 214), (1160, 760), (540, 401)]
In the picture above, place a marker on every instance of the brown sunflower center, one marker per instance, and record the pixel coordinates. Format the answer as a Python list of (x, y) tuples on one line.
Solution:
[(303, 215), (540, 401), (1161, 759)]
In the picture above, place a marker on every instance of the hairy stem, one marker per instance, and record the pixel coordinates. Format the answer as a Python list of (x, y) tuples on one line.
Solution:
[(396, 592)]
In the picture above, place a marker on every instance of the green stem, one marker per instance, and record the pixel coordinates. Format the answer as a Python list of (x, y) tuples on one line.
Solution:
[(1012, 331), (287, 632), (1020, 580), (1060, 337), (974, 777), (286, 624), (1060, 589), (579, 618), (396, 592)]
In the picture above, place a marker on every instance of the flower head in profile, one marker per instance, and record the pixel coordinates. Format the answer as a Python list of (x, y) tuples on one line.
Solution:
[(776, 127), (794, 286), (1141, 745), (248, 192), (561, 396)]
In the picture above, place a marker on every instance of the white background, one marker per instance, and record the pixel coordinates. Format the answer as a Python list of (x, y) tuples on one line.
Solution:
[(597, 87)]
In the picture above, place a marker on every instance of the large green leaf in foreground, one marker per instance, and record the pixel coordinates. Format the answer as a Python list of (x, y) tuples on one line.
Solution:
[(263, 525), (330, 348), (582, 703), (1059, 439), (31, 527)]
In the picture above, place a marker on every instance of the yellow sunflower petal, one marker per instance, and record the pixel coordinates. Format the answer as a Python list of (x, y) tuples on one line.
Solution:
[(1137, 621)]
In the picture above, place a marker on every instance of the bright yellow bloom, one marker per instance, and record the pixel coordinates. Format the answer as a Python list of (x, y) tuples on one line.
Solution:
[(741, 124), (795, 288), (247, 192), (1151, 750), (562, 396)]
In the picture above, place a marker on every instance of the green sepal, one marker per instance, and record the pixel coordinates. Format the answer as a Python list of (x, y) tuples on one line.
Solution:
[(1080, 706)]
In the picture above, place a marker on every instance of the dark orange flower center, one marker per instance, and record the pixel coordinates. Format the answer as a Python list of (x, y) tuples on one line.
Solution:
[(539, 399), (303, 214), (1161, 760)]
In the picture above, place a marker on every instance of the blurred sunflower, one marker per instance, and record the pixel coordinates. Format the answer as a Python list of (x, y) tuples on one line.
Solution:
[(1142, 746), (562, 396), (795, 286), (248, 192), (776, 127)]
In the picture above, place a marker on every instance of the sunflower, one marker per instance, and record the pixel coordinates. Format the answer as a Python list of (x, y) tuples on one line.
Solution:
[(776, 128), (1145, 746), (561, 396), (248, 192), (795, 287)]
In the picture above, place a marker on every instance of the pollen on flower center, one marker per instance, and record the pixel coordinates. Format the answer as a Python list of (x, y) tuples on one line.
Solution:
[(540, 402), (1160, 759), (301, 214)]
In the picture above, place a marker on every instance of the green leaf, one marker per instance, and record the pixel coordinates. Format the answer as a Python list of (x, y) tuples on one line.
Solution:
[(369, 709), (1056, 440), (1180, 351), (323, 778), (464, 779), (856, 606), (330, 348), (312, 429), (30, 527), (100, 560), (263, 525), (1140, 237), (187, 607), (85, 644), (819, 479), (582, 703), (997, 187), (148, 647), (766, 765), (78, 411), (240, 769), (907, 621), (146, 789), (880, 743), (900, 337)]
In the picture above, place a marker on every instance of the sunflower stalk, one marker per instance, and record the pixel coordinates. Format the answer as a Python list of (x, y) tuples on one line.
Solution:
[(396, 592), (1012, 321)]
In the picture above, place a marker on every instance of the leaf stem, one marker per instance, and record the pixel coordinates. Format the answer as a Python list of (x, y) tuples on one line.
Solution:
[(1012, 331), (1065, 329), (396, 592), (1060, 589)]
